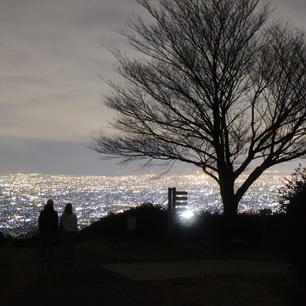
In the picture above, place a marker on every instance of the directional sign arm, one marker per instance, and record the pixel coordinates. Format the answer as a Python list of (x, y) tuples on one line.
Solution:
[(180, 198), (181, 193), (181, 204)]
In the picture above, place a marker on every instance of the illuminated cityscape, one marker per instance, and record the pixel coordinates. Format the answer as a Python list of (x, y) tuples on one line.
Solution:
[(22, 196)]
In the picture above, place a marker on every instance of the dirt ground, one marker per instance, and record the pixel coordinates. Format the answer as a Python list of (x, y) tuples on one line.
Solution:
[(26, 279)]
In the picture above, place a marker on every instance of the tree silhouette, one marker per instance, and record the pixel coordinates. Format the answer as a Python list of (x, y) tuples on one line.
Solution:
[(213, 85)]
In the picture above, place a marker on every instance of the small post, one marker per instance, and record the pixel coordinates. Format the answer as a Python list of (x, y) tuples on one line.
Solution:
[(131, 225), (171, 199)]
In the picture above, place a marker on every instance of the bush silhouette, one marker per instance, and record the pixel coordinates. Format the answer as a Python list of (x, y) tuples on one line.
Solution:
[(151, 223), (293, 202)]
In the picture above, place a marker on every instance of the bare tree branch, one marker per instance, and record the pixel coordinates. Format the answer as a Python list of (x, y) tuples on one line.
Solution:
[(215, 86)]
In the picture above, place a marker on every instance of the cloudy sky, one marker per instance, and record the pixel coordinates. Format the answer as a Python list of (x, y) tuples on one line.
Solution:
[(51, 94)]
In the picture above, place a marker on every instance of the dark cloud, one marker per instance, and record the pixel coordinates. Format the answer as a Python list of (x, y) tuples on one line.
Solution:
[(20, 155), (292, 11), (64, 157)]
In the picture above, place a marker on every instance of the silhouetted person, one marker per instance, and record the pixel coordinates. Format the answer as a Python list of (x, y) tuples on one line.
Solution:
[(69, 230), (48, 228)]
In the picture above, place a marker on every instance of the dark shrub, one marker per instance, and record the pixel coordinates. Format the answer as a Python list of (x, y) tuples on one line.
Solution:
[(294, 202), (30, 240), (151, 223), (2, 239)]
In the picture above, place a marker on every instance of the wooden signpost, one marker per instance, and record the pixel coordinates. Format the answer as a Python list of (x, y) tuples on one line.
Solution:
[(175, 198)]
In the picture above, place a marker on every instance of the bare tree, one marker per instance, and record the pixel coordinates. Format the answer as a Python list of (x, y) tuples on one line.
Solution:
[(214, 86)]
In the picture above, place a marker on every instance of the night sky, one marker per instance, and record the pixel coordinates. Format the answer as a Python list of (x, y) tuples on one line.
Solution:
[(52, 53)]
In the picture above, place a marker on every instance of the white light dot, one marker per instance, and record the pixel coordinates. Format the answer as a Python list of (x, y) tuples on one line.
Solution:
[(187, 214)]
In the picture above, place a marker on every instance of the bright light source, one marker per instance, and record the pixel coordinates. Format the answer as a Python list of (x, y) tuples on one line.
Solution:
[(187, 214)]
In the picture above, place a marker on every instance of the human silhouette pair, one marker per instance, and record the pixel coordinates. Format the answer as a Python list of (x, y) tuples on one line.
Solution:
[(49, 230)]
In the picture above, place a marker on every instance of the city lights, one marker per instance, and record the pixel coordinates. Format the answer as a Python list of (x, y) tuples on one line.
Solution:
[(22, 196)]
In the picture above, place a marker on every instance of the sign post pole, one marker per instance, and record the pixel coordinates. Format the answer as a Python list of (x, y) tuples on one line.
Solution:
[(171, 193), (175, 198)]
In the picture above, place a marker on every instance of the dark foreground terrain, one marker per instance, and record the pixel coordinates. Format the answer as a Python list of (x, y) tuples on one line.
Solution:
[(194, 266), (28, 280)]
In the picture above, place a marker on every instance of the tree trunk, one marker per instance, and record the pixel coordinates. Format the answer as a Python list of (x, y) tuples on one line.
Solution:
[(230, 207)]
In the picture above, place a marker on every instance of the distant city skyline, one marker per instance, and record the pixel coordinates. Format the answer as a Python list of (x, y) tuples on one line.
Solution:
[(52, 56), (22, 196)]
